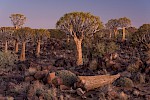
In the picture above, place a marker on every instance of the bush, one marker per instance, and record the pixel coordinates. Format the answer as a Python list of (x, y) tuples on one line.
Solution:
[(124, 82), (67, 77), (7, 60)]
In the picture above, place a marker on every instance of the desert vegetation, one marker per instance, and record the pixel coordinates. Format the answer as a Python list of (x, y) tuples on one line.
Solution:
[(82, 58)]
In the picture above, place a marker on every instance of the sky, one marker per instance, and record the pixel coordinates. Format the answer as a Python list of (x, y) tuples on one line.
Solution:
[(45, 13)]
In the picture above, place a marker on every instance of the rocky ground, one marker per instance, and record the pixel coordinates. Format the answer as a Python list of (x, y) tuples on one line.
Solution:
[(35, 79)]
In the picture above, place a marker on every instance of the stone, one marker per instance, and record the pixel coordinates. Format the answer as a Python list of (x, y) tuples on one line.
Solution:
[(29, 78), (50, 77), (136, 92), (63, 87), (39, 75), (32, 70), (125, 74), (123, 96)]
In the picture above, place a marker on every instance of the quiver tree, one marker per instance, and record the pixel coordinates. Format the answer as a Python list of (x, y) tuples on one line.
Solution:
[(5, 36), (112, 25), (38, 36), (79, 24), (124, 23), (142, 36), (24, 35), (17, 20)]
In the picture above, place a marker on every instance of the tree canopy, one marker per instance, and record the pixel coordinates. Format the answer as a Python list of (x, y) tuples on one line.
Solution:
[(17, 20), (79, 24)]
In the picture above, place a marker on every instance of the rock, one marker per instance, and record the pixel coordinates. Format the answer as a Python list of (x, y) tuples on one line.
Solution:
[(80, 92), (32, 70), (10, 98), (110, 63), (101, 96), (125, 74), (57, 81), (147, 97), (63, 87), (50, 77), (40, 74), (112, 94), (29, 78), (2, 98), (136, 92), (123, 96), (61, 97), (138, 78)]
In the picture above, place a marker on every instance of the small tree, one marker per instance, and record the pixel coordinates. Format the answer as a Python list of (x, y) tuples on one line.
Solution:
[(39, 35), (17, 20), (24, 35), (124, 23), (142, 35), (113, 25), (79, 24)]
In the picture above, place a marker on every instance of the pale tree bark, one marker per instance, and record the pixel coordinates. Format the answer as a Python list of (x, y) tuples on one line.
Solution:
[(78, 43), (115, 32), (6, 47), (124, 34), (16, 46), (38, 48), (22, 56), (110, 34)]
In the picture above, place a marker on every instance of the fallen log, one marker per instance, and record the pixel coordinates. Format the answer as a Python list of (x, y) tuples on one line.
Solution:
[(92, 82)]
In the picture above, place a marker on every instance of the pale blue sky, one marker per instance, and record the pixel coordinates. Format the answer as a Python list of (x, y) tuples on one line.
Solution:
[(45, 13)]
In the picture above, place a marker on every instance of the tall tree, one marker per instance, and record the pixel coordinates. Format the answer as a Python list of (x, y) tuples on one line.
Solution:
[(124, 23), (79, 24), (39, 35), (113, 25), (5, 36), (142, 35), (17, 20), (24, 35)]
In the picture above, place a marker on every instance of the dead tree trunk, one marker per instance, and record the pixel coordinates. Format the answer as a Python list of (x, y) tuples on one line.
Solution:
[(92, 82)]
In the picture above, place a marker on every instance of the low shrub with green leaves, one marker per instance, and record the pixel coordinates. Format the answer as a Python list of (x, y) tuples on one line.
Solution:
[(67, 77), (7, 60)]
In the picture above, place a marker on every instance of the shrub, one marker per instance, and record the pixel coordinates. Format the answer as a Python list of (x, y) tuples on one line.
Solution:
[(67, 77), (124, 82), (7, 60)]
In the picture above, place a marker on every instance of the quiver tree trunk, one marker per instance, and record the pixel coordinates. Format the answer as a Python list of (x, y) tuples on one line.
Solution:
[(110, 34), (92, 82), (115, 32), (78, 43), (16, 46), (124, 34), (6, 47), (38, 48), (22, 55)]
